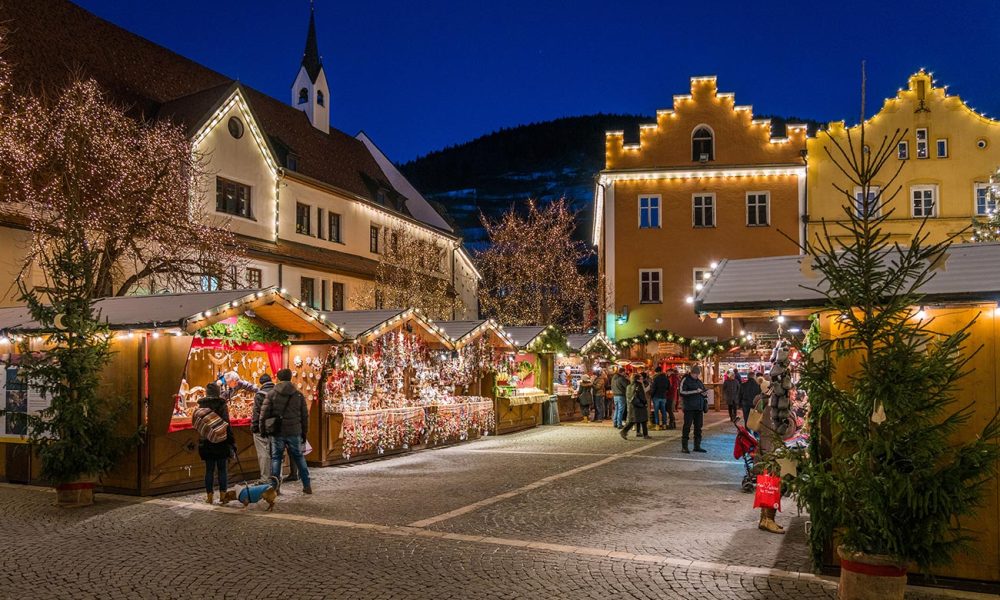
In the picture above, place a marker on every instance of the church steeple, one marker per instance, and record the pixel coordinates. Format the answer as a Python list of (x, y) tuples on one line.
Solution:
[(310, 57), (310, 92)]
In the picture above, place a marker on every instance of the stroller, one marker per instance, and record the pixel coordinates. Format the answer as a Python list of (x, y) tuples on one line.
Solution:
[(745, 448)]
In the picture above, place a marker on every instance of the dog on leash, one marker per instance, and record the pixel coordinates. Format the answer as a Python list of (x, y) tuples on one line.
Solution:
[(268, 492)]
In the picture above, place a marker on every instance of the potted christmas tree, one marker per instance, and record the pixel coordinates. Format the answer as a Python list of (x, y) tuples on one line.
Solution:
[(886, 477)]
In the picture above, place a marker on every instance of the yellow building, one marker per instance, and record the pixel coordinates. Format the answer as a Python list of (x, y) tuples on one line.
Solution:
[(945, 158)]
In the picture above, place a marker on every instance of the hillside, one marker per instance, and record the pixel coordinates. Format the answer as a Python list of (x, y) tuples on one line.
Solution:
[(546, 161)]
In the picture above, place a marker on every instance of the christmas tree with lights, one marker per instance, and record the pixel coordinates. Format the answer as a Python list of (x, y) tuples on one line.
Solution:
[(988, 229)]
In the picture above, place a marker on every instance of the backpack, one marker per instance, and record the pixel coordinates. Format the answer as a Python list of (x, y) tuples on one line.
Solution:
[(210, 426)]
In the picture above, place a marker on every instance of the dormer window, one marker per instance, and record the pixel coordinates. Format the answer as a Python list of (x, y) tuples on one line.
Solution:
[(702, 144), (319, 97), (381, 197), (303, 96), (292, 162)]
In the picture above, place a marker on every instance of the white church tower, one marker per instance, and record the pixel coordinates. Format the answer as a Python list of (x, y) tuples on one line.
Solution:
[(310, 92)]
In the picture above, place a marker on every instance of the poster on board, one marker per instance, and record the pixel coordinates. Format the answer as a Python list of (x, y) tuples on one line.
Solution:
[(18, 399)]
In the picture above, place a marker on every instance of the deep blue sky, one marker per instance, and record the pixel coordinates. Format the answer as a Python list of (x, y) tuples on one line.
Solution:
[(418, 75)]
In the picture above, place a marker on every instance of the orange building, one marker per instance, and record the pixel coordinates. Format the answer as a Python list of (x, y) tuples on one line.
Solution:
[(707, 181)]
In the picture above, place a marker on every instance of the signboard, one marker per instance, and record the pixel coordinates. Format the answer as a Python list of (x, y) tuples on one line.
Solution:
[(18, 399)]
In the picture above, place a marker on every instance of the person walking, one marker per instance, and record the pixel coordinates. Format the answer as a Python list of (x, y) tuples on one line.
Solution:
[(619, 385), (585, 396), (637, 410), (215, 454), (660, 392), (731, 393), (600, 391), (286, 408), (675, 388), (694, 397), (260, 442), (749, 390)]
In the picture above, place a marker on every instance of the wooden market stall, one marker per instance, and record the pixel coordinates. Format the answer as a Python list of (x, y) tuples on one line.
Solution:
[(587, 351), (166, 348), (518, 399), (372, 389), (965, 288)]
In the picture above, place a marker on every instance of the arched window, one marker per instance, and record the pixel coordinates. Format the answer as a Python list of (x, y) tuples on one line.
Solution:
[(702, 144), (319, 97), (303, 96)]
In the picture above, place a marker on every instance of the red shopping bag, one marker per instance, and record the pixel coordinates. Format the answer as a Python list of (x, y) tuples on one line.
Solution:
[(768, 492)]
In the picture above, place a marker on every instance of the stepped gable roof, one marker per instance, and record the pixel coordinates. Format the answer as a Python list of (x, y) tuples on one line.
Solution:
[(966, 273), (51, 41)]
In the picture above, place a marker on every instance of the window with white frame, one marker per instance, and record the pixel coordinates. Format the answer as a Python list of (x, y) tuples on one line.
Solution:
[(758, 209), (700, 277), (649, 212), (922, 151), (924, 200), (986, 203), (863, 205), (704, 210), (942, 148), (903, 150), (650, 286)]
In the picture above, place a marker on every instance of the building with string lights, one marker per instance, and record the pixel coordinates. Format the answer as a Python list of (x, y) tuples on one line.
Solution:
[(706, 181), (942, 157), (312, 205)]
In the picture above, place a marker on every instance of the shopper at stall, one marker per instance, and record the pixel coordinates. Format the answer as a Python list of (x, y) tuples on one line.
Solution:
[(260, 442), (285, 418), (585, 396), (694, 397), (749, 390), (675, 388), (619, 384), (637, 408), (660, 393), (731, 393), (234, 383), (600, 396), (215, 454)]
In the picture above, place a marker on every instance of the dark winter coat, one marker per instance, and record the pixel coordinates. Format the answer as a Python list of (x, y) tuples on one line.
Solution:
[(258, 404), (749, 390), (619, 385), (661, 387), (731, 391), (694, 394), (638, 406), (207, 449), (287, 402), (586, 394)]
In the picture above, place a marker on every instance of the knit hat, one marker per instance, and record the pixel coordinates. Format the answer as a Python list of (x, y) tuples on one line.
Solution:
[(212, 390), (285, 375), (265, 378)]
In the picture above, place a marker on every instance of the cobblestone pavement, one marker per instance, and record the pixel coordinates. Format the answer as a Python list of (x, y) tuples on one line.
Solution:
[(556, 512)]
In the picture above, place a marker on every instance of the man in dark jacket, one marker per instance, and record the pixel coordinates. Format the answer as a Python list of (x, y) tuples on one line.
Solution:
[(731, 392), (749, 390), (260, 442), (694, 398), (287, 402), (618, 385), (659, 392)]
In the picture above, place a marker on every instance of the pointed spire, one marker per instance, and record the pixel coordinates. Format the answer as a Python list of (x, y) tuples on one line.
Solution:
[(310, 57)]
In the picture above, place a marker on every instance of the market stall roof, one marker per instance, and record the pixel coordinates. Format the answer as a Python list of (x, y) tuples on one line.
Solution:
[(583, 343), (461, 333), (523, 336), (364, 326), (967, 273), (189, 312), (538, 338)]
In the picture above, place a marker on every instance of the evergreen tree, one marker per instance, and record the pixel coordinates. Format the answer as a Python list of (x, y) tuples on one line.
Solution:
[(988, 229)]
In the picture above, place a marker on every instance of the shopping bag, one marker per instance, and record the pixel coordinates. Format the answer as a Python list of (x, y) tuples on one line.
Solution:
[(754, 419), (768, 492), (306, 448)]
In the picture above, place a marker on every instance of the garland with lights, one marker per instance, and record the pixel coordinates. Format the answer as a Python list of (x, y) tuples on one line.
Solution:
[(700, 348), (551, 340), (244, 330), (988, 229)]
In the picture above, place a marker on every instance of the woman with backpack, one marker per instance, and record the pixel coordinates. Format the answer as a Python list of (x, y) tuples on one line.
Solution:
[(216, 443)]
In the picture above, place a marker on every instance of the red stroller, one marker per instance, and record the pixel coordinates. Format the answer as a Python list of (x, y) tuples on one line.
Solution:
[(745, 448)]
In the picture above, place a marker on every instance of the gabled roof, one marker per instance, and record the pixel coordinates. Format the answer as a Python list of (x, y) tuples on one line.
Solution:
[(190, 312), (523, 336), (968, 274), (49, 42), (583, 343), (461, 333), (365, 326)]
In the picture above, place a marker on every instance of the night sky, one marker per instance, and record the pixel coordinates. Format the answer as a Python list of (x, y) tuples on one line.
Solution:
[(420, 75)]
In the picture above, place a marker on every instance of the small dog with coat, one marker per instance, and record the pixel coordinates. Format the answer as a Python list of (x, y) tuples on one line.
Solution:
[(268, 492)]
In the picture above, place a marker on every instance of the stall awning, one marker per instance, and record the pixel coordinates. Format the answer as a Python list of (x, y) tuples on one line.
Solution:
[(364, 326), (461, 333), (585, 343), (967, 273), (190, 312)]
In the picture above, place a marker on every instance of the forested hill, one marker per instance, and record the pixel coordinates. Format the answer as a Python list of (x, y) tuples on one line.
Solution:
[(546, 161)]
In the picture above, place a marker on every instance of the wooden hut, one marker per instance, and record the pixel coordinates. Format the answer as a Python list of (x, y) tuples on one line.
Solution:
[(586, 350), (519, 398), (166, 348)]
